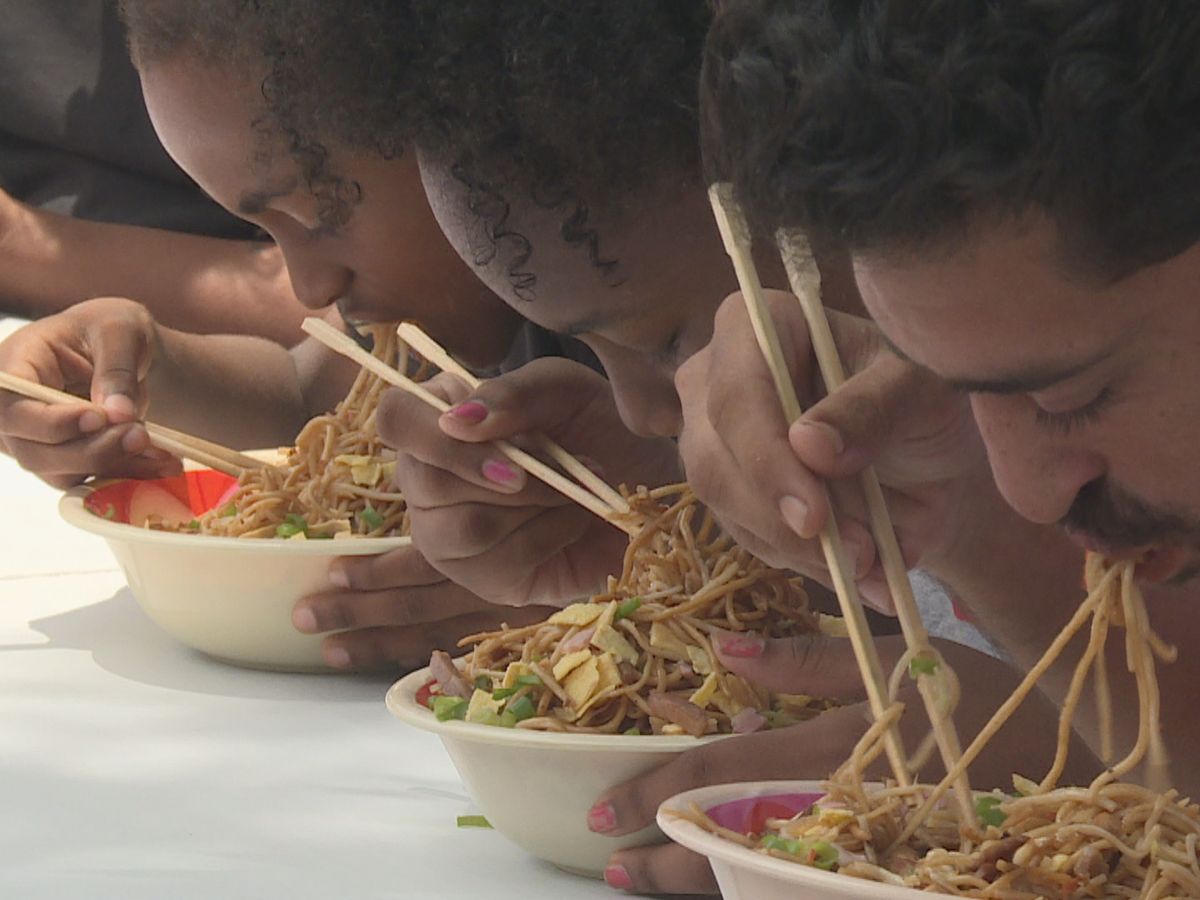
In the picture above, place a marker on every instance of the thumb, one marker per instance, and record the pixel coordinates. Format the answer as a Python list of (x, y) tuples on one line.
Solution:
[(120, 360), (808, 664), (540, 396), (848, 429)]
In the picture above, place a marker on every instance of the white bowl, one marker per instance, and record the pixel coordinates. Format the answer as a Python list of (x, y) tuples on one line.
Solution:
[(228, 597), (744, 874), (536, 787)]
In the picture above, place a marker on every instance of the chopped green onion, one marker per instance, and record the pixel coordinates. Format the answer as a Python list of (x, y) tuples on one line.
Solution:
[(489, 717), (193, 525), (627, 608), (521, 709), (229, 509), (503, 693), (632, 732), (446, 708), (507, 720), (371, 517), (528, 681), (814, 810), (292, 525), (922, 665), (777, 718), (473, 822), (818, 854), (989, 812), (483, 682)]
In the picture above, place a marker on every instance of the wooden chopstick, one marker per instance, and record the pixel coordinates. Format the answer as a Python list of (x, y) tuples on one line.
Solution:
[(340, 343), (736, 235), (805, 280), (177, 443), (436, 354)]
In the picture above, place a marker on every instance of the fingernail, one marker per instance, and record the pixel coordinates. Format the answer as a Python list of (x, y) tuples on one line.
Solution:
[(795, 513), (304, 620), (741, 644), (337, 657), (119, 405), (500, 472), (615, 876), (91, 421), (602, 818), (829, 433), (135, 440), (472, 412), (854, 552), (338, 576)]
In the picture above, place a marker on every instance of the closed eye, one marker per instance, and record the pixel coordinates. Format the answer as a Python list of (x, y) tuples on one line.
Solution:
[(1074, 419)]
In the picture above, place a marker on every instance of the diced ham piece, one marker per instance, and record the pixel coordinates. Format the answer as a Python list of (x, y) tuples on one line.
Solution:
[(685, 714), (748, 721), (578, 641), (451, 681)]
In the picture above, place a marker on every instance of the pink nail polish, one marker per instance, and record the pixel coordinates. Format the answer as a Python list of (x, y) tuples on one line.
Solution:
[(472, 412), (743, 645), (602, 818), (500, 472), (615, 876)]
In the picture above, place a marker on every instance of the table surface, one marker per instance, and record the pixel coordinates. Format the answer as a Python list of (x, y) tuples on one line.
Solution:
[(132, 767)]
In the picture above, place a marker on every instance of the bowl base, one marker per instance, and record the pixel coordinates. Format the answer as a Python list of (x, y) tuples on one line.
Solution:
[(282, 668)]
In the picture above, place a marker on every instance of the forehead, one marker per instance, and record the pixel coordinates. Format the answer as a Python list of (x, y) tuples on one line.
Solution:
[(1000, 302), (212, 121)]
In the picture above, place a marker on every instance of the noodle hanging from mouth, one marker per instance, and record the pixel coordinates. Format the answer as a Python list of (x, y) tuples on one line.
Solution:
[(639, 657), (1111, 839), (336, 482)]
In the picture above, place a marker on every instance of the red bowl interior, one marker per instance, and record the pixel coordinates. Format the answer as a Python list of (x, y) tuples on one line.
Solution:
[(199, 490)]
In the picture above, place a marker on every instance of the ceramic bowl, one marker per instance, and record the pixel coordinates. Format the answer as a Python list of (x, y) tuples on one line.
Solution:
[(536, 787), (230, 598)]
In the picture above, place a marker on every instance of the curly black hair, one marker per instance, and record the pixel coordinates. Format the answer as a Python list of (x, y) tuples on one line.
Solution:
[(578, 105), (891, 126)]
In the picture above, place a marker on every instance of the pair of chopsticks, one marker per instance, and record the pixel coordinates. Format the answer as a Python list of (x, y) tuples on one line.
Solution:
[(805, 281), (592, 493), (177, 443)]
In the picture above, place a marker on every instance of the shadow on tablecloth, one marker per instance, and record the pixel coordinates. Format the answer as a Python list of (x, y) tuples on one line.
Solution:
[(124, 642)]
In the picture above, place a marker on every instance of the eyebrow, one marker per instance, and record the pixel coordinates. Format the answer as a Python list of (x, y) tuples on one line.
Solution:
[(1024, 382)]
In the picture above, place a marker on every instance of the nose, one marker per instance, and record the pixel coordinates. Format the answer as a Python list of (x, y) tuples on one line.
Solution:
[(645, 394), (317, 280), (1038, 474)]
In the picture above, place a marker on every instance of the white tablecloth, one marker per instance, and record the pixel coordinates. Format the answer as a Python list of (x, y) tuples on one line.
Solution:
[(132, 768)]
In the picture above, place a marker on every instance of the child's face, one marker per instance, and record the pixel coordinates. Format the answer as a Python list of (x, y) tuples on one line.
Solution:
[(384, 259), (643, 316)]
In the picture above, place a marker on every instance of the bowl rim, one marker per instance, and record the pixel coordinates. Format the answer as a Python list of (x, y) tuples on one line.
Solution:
[(71, 508), (712, 846), (401, 702)]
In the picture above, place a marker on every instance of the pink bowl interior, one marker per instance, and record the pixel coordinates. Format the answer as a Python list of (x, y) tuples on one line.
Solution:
[(749, 815)]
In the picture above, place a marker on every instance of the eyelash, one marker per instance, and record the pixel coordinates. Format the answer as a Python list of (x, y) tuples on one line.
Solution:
[(1067, 422)]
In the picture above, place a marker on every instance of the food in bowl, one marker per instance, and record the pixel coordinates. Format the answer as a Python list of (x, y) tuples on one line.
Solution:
[(1110, 839), (334, 483), (638, 659)]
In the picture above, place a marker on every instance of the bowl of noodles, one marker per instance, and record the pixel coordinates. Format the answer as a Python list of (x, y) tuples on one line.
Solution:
[(540, 720), (219, 562)]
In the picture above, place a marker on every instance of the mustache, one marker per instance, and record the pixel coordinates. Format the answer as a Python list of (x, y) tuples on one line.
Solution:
[(1114, 516)]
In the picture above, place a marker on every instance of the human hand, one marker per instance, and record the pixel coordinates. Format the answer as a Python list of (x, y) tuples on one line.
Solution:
[(396, 608), (481, 520), (102, 350), (814, 749), (770, 484)]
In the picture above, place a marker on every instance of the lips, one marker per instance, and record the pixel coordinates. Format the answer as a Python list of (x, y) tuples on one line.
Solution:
[(1156, 563)]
